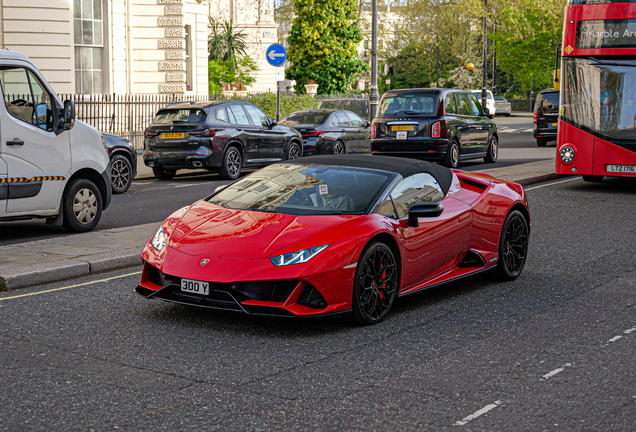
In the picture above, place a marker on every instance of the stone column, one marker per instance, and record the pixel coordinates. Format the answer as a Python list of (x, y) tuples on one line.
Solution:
[(174, 47)]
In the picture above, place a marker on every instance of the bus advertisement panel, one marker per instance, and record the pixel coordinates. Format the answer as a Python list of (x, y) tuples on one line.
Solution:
[(597, 122)]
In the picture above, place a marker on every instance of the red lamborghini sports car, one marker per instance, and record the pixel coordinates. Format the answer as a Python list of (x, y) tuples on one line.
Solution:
[(333, 234)]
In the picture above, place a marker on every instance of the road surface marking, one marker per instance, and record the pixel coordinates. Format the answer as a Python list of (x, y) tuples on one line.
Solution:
[(615, 338), (556, 183), (556, 371), (185, 185), (476, 414), (527, 130), (628, 331), (68, 287)]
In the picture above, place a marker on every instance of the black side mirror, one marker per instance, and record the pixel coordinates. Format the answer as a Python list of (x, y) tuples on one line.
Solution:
[(486, 111), (424, 210), (366, 124), (69, 114)]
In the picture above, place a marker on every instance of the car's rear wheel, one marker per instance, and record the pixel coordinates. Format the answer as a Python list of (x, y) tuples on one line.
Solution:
[(163, 174), (513, 246), (541, 142), (492, 151), (294, 151), (339, 148), (232, 164), (593, 179), (82, 206), (451, 159), (376, 284), (121, 173)]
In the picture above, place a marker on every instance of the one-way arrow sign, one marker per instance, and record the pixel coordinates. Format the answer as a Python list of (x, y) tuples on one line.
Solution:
[(276, 54)]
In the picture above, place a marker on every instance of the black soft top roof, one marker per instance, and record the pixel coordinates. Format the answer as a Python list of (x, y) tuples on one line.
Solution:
[(403, 166)]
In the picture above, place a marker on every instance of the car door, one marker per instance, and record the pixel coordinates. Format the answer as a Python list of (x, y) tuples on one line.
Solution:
[(272, 145), (466, 123), (432, 246), (362, 133), (481, 126), (248, 133), (347, 131), (38, 161)]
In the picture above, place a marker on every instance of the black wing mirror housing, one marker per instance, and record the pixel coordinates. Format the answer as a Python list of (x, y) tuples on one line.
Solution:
[(424, 210), (68, 115), (486, 111)]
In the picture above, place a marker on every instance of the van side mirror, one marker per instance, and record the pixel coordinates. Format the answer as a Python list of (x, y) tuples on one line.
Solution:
[(424, 210), (69, 114)]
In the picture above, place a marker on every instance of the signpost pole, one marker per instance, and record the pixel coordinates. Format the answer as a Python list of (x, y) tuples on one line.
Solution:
[(277, 101), (374, 95)]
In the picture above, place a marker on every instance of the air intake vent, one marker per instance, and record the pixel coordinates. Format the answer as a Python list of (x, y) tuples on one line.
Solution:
[(472, 260), (310, 297)]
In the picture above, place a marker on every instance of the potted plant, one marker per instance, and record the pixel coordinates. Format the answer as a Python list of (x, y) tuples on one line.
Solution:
[(239, 90), (311, 87)]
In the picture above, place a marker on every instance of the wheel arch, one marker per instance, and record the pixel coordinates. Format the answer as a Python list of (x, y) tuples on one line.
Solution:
[(122, 152), (391, 242), (297, 141), (524, 211), (239, 145), (96, 178)]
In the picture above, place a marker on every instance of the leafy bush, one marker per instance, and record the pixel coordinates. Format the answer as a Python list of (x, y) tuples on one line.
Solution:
[(222, 74)]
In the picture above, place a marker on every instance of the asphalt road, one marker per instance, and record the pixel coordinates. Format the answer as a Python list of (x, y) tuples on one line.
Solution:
[(553, 350), (150, 200)]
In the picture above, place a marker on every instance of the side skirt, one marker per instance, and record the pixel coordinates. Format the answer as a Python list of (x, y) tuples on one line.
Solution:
[(481, 270)]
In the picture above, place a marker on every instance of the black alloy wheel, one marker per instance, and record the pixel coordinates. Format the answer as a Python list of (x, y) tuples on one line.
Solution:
[(339, 148), (513, 246), (81, 206), (232, 164), (451, 159), (294, 151), (376, 284), (541, 142), (121, 173), (492, 151), (162, 174)]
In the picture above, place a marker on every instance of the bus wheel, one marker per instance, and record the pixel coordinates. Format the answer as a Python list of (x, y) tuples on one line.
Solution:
[(593, 179)]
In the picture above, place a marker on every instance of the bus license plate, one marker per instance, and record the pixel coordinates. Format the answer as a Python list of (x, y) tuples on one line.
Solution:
[(621, 168), (172, 135), (195, 287)]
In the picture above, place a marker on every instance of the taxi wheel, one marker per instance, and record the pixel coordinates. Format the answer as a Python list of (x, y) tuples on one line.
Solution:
[(451, 160), (541, 142), (81, 206), (163, 174), (493, 151)]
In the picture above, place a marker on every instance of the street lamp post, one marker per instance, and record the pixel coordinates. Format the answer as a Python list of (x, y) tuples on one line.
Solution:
[(485, 62), (494, 53), (374, 95), (532, 96), (437, 60), (470, 68)]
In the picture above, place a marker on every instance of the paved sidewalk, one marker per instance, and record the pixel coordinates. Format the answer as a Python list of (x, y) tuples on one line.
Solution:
[(52, 260)]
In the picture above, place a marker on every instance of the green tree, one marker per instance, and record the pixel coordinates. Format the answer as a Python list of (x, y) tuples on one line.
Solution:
[(221, 75), (323, 45), (226, 42)]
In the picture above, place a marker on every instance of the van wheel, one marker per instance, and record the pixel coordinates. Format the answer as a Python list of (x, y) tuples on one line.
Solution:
[(82, 206), (232, 164), (451, 160), (163, 174)]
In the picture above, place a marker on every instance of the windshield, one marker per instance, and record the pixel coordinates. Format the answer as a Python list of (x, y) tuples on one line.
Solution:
[(180, 116), (408, 104), (304, 118), (305, 190), (599, 95)]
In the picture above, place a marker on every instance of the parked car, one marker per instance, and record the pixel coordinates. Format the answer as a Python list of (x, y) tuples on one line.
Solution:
[(502, 107), (441, 125), (123, 162), (330, 131), (335, 234), (546, 116), (490, 102), (221, 136), (52, 166)]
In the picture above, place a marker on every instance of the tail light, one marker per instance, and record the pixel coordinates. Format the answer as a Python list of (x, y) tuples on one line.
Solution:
[(207, 132), (535, 117), (372, 131), (149, 134), (438, 129), (313, 133)]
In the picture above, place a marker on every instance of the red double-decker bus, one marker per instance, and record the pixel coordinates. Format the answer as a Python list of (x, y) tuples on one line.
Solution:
[(597, 123)]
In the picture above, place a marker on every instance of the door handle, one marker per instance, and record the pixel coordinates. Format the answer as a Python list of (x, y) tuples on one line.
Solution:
[(15, 142)]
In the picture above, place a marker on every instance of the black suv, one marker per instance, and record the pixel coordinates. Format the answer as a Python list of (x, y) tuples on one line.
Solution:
[(222, 137), (546, 116), (441, 125)]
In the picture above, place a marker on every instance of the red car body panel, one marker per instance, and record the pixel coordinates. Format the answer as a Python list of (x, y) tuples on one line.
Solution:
[(238, 245)]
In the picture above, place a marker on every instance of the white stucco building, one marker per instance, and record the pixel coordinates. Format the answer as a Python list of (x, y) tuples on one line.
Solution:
[(131, 46)]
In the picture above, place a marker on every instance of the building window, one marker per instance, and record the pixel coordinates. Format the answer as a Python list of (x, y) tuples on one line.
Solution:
[(89, 46), (188, 57), (366, 44)]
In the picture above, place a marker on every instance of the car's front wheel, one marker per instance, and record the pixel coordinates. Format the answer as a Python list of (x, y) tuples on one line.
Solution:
[(81, 206), (232, 164), (162, 174), (121, 174), (376, 284), (493, 150), (513, 246)]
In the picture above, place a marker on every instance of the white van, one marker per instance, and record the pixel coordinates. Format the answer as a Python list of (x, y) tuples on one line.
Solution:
[(51, 166)]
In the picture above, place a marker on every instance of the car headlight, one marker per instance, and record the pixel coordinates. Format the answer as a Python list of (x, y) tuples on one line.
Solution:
[(298, 257), (567, 154), (158, 240)]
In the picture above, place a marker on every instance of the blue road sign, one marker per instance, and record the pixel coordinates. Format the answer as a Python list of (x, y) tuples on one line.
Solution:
[(276, 54)]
